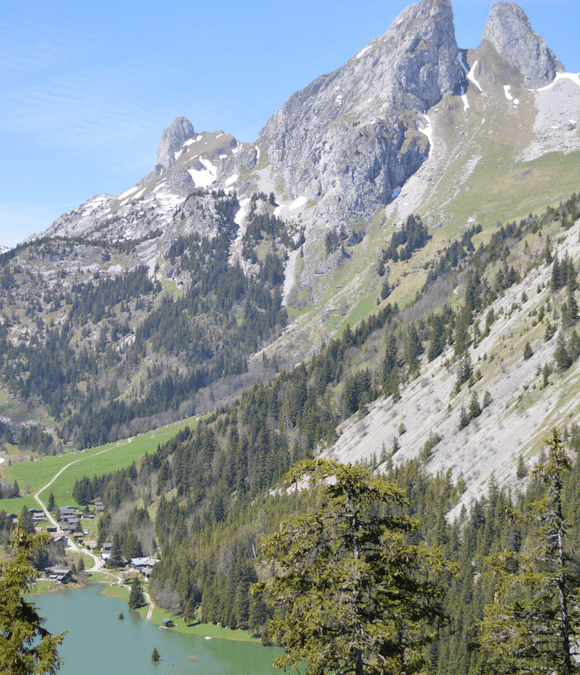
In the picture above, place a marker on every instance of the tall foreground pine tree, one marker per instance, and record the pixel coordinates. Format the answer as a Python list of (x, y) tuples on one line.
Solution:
[(533, 626), (350, 593), (26, 647)]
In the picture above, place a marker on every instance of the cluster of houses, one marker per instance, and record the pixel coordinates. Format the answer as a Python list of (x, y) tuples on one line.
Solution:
[(143, 566), (69, 522), (69, 526)]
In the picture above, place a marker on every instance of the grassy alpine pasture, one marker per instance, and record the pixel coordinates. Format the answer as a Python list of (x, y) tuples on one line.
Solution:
[(33, 475)]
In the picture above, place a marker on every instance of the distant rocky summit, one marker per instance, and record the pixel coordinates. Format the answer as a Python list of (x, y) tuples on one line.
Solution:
[(510, 32), (172, 140)]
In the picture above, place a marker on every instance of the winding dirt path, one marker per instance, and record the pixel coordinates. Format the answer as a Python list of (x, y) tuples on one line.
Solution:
[(98, 561)]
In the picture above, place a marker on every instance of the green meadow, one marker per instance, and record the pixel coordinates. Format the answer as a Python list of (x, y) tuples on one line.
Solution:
[(33, 475)]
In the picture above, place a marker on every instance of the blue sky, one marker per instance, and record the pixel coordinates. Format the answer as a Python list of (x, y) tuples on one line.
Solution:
[(87, 88)]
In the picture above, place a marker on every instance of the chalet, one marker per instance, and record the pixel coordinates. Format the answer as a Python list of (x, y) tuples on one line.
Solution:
[(144, 565), (37, 516), (99, 506), (107, 550), (60, 574), (67, 512), (69, 525)]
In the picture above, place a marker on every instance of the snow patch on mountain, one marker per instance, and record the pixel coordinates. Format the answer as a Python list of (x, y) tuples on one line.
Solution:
[(574, 77), (206, 176), (297, 203), (471, 76)]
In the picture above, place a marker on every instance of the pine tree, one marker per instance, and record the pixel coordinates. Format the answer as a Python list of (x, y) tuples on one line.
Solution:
[(26, 521), (136, 597), (155, 656), (50, 505), (116, 559), (351, 595), (464, 418), (533, 625), (563, 358), (474, 407), (26, 647)]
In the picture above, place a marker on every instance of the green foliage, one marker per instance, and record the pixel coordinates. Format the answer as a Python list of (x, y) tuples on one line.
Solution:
[(26, 647), (136, 596), (405, 241), (155, 656), (533, 624), (350, 594)]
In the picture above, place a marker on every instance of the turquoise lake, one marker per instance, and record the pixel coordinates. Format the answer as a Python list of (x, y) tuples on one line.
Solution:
[(98, 643)]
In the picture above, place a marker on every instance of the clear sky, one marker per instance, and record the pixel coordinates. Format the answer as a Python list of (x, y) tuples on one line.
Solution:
[(86, 88)]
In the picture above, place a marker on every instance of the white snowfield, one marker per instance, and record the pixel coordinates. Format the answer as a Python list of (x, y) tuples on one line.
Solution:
[(297, 203), (471, 76), (204, 177), (363, 51), (428, 129), (574, 77)]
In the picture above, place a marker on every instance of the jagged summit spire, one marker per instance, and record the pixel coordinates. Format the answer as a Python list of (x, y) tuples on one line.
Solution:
[(172, 139), (351, 137), (510, 32)]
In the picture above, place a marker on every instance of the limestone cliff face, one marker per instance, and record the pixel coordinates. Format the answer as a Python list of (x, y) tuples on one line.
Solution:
[(352, 137), (510, 32), (172, 140)]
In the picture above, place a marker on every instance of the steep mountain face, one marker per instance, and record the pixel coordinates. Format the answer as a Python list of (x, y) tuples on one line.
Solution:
[(508, 29), (223, 243), (172, 140), (351, 138)]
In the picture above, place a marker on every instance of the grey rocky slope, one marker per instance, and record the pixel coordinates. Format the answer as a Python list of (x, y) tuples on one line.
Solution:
[(353, 136)]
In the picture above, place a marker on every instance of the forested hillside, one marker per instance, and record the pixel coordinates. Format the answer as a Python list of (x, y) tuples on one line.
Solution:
[(204, 500), (101, 347)]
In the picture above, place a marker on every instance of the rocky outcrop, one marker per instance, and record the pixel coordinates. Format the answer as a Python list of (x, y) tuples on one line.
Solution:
[(352, 137), (172, 140), (510, 32)]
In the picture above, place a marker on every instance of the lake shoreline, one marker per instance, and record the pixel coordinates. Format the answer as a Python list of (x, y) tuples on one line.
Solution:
[(97, 641), (206, 630)]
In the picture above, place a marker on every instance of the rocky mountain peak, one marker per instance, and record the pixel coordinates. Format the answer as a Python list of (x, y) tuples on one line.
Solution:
[(172, 140), (510, 32), (352, 137)]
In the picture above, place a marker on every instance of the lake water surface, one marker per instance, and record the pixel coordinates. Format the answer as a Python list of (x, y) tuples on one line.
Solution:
[(98, 643)]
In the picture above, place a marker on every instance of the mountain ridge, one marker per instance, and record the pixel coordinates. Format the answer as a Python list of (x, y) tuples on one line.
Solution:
[(435, 143)]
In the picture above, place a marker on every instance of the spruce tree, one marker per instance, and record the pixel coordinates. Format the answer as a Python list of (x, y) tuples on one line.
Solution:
[(350, 593), (533, 624), (26, 647), (136, 597), (26, 521)]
